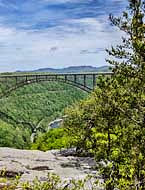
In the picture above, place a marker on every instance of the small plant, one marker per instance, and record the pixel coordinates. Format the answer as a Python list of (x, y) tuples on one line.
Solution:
[(53, 182)]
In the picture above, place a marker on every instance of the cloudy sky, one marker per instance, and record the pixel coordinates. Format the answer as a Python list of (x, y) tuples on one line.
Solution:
[(56, 33)]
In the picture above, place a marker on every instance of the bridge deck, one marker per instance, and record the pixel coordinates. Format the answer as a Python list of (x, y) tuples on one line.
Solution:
[(54, 74)]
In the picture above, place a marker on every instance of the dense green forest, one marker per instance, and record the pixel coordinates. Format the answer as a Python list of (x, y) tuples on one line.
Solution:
[(34, 106)]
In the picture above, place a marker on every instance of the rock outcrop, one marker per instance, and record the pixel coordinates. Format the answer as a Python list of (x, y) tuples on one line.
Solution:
[(30, 164)]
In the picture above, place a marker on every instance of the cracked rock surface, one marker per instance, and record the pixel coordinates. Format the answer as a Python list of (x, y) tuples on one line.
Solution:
[(30, 164)]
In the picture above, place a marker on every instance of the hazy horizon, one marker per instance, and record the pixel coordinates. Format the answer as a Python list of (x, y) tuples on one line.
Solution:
[(66, 67), (56, 34)]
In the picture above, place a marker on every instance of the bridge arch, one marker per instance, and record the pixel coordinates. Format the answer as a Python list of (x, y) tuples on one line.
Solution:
[(78, 80), (29, 82)]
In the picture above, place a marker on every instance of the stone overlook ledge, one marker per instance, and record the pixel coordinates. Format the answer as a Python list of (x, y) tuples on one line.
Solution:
[(30, 164)]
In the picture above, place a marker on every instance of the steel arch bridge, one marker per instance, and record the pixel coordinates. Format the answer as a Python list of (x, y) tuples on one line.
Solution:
[(83, 81)]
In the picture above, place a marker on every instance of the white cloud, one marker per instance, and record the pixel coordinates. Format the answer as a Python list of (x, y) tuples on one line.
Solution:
[(32, 49), (59, 45)]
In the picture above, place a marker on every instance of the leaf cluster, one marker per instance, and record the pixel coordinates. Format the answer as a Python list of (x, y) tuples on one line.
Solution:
[(111, 122)]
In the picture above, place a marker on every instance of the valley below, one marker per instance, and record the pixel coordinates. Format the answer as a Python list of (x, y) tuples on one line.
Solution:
[(28, 111)]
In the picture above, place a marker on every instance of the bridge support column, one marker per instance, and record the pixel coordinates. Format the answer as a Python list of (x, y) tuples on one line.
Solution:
[(26, 79), (94, 81), (65, 78), (6, 79), (36, 78), (85, 80), (16, 80), (75, 78)]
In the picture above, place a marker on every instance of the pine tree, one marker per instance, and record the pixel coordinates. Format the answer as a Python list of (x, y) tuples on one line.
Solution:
[(129, 71), (116, 109), (132, 51)]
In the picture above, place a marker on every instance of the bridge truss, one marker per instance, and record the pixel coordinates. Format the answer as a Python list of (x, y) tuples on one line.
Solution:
[(83, 81)]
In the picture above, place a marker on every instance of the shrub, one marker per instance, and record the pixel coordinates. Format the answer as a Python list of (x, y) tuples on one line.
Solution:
[(53, 139)]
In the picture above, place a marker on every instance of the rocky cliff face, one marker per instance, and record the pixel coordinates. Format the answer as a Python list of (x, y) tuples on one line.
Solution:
[(31, 163)]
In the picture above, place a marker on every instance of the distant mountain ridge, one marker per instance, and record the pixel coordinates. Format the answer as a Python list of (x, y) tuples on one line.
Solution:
[(74, 69)]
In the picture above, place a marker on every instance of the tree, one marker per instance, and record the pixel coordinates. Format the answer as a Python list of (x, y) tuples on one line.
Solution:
[(112, 120), (130, 72)]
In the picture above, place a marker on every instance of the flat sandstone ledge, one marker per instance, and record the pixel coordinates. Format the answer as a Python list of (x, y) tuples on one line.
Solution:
[(30, 164)]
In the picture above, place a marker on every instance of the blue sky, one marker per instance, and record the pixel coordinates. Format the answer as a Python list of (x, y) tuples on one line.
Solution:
[(56, 33)]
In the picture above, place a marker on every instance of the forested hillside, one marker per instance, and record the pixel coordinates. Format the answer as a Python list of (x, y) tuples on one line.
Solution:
[(34, 106), (75, 69)]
